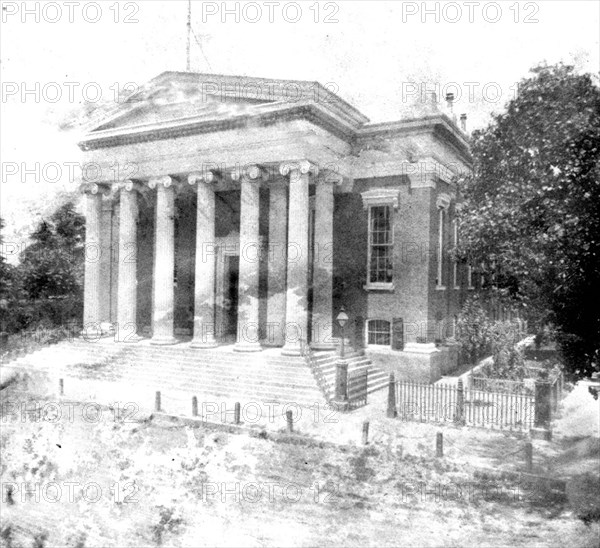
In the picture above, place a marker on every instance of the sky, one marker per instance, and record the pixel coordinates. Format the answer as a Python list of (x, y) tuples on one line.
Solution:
[(379, 56)]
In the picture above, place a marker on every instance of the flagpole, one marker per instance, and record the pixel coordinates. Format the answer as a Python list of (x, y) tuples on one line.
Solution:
[(189, 31)]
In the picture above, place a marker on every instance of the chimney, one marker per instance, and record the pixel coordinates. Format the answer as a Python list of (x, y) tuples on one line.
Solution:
[(431, 99), (463, 122), (450, 101)]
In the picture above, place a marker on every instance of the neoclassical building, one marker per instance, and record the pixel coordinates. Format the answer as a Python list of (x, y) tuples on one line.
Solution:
[(248, 211)]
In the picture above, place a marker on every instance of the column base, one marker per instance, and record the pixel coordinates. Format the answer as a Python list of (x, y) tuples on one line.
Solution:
[(322, 346), (163, 341), (88, 334), (130, 339), (340, 405), (199, 343), (247, 347), (292, 349)]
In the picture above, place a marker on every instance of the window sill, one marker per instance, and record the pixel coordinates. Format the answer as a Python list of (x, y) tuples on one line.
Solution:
[(471, 288), (440, 288), (379, 287), (457, 287)]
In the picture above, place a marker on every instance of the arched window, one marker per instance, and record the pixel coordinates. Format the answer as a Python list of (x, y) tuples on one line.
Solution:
[(379, 332)]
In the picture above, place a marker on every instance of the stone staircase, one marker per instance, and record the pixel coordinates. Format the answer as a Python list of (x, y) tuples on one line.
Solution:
[(106, 372)]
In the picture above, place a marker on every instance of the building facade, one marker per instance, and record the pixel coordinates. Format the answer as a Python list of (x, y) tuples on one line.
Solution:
[(246, 211)]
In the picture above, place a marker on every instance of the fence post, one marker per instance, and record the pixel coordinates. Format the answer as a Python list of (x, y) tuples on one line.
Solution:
[(157, 401), (460, 403), (365, 433), (236, 412), (392, 412), (528, 457), (289, 421), (194, 406), (61, 387), (543, 406), (439, 445)]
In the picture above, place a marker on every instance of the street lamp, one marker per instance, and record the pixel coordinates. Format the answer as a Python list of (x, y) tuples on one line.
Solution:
[(341, 380), (342, 320)]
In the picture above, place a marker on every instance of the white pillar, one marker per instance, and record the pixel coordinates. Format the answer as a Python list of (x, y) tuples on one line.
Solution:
[(296, 328), (323, 266), (247, 328), (164, 262), (277, 268), (93, 252), (127, 281), (204, 284)]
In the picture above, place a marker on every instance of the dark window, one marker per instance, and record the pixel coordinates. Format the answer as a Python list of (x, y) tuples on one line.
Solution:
[(380, 244), (379, 332)]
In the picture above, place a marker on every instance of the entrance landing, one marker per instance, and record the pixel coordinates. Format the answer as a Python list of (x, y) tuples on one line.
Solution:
[(106, 372)]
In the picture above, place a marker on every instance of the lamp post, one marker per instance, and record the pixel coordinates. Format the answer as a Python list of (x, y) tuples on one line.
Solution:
[(341, 381), (342, 320)]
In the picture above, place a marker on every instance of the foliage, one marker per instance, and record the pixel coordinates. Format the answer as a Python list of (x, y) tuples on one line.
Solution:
[(507, 360), (46, 288), (473, 329), (530, 218), (7, 285), (52, 265)]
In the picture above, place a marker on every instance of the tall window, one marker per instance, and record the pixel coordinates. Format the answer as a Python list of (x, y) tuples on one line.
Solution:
[(470, 277), (455, 261), (440, 265), (379, 332), (380, 244), (442, 203)]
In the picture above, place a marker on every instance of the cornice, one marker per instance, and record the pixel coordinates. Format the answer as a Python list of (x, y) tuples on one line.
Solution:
[(192, 126)]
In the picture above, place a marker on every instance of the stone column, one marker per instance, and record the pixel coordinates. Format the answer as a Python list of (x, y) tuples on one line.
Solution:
[(296, 332), (277, 263), (93, 252), (164, 262), (204, 281), (127, 281), (247, 329), (323, 266)]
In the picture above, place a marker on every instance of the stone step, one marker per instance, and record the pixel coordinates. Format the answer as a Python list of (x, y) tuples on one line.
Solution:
[(180, 372)]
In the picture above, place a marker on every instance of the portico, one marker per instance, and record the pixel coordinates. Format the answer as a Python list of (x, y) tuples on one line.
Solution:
[(227, 270)]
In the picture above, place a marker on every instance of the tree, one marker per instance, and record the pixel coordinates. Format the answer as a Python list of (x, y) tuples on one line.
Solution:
[(7, 286), (51, 269), (531, 213)]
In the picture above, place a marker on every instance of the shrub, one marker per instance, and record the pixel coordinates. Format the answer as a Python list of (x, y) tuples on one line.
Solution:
[(473, 329)]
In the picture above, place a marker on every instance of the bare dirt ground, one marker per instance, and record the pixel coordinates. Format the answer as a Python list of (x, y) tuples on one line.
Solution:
[(152, 482)]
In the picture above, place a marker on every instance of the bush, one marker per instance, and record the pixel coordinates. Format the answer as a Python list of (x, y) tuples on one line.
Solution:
[(507, 360), (473, 330)]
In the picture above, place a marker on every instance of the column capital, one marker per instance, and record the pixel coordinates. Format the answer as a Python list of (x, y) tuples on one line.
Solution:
[(329, 177), (249, 173), (197, 177), (302, 166), (95, 188), (126, 184), (443, 201), (164, 180)]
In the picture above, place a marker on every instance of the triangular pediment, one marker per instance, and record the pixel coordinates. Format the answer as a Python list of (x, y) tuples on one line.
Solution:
[(175, 103), (172, 101)]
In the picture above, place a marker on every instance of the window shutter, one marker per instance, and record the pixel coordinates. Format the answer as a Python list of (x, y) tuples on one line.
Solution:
[(398, 334)]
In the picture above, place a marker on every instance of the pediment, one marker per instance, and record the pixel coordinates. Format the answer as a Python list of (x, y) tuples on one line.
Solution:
[(181, 103), (174, 101)]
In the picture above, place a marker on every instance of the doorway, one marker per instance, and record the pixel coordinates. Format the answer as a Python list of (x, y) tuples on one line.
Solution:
[(230, 296)]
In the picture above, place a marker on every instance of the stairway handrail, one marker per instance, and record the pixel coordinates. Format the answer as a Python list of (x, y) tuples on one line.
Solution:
[(309, 357)]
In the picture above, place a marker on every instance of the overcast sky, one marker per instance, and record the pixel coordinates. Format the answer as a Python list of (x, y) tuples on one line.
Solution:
[(378, 55)]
